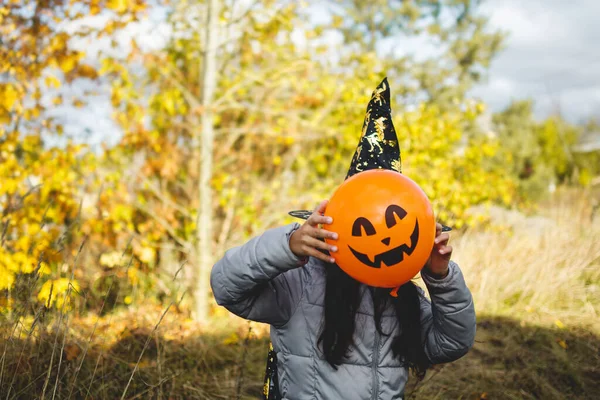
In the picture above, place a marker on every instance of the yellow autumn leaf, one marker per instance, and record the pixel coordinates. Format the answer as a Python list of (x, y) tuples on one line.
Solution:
[(169, 105), (52, 81), (337, 21), (559, 324), (95, 8), (53, 291), (132, 274), (231, 339), (5, 118), (10, 186), (7, 278), (44, 269), (9, 96), (117, 5), (67, 64)]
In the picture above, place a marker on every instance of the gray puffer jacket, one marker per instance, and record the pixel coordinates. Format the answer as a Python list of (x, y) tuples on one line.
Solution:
[(264, 281)]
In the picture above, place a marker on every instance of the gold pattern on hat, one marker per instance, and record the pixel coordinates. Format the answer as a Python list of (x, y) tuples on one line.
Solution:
[(376, 96), (366, 123)]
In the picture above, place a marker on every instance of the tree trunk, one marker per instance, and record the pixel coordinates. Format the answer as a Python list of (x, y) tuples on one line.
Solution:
[(205, 214)]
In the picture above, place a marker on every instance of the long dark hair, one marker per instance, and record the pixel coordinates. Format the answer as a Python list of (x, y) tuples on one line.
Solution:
[(341, 303)]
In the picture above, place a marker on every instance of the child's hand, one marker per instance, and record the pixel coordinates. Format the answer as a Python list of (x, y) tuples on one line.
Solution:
[(306, 240), (437, 265)]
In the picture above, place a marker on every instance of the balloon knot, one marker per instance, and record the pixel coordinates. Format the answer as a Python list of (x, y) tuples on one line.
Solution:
[(394, 292)]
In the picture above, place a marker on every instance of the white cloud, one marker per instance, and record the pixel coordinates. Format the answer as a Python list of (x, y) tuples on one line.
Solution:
[(550, 56)]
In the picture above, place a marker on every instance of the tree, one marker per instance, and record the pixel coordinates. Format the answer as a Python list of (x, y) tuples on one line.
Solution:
[(257, 87), (206, 136), (286, 121), (457, 35), (42, 185), (539, 152)]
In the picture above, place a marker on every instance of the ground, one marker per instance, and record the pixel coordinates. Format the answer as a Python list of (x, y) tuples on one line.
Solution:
[(510, 360)]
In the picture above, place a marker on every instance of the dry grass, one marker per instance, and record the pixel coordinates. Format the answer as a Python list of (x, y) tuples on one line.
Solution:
[(132, 360), (511, 360), (181, 360), (537, 295), (537, 272)]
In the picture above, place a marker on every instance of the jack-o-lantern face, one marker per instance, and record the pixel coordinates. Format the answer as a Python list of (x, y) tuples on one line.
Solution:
[(394, 255), (385, 226)]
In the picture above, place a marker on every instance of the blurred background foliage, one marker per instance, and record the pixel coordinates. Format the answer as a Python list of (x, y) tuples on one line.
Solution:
[(114, 225)]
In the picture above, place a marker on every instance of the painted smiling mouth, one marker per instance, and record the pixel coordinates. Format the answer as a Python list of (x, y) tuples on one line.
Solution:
[(392, 256)]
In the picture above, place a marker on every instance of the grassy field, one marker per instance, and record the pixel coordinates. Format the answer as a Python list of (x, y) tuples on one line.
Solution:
[(537, 294)]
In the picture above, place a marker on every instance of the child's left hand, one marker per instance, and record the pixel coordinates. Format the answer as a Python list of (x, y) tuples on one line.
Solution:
[(437, 265)]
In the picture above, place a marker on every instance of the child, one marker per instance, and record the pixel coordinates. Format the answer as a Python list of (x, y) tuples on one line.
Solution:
[(334, 337)]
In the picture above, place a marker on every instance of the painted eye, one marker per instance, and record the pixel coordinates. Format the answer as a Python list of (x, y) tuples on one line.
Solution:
[(361, 224), (391, 213)]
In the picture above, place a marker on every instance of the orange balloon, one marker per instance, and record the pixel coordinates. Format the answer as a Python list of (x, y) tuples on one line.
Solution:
[(385, 226)]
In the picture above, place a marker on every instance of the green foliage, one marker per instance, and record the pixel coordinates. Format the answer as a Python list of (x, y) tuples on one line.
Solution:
[(540, 153), (588, 163)]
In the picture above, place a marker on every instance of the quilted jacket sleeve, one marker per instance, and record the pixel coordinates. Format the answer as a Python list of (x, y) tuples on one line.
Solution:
[(448, 321), (261, 279)]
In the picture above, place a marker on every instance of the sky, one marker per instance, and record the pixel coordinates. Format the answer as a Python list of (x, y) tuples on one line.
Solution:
[(551, 56)]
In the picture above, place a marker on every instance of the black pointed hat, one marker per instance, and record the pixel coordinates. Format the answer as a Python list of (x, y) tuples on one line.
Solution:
[(378, 145)]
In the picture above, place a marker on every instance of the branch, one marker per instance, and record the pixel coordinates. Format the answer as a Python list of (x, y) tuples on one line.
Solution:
[(265, 76), (324, 111), (182, 242), (164, 198), (189, 96), (302, 123)]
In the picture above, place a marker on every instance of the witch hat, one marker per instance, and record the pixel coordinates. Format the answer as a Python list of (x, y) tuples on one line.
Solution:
[(378, 146)]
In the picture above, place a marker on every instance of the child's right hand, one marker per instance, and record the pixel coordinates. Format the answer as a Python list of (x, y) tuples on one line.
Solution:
[(305, 242)]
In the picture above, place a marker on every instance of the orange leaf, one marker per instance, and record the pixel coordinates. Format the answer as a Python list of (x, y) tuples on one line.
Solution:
[(87, 71), (72, 351), (95, 7)]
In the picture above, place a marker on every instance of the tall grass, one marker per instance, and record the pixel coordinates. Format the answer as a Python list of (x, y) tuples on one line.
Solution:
[(541, 275), (546, 272)]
